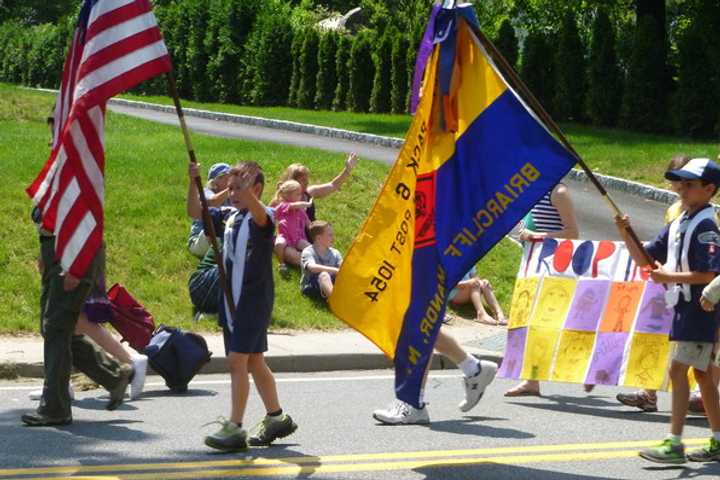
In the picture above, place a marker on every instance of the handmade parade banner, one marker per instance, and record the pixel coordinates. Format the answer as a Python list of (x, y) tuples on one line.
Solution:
[(583, 312)]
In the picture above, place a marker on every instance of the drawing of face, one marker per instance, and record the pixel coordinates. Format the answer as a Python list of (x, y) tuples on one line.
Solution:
[(520, 308), (649, 358), (553, 303)]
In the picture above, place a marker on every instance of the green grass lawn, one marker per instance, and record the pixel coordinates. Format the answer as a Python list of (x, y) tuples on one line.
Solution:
[(634, 156), (146, 225)]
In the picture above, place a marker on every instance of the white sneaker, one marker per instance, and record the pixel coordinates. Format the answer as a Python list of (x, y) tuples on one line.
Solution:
[(475, 386), (37, 394), (401, 413), (137, 384)]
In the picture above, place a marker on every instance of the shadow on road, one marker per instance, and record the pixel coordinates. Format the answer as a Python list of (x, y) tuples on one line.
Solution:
[(471, 426), (489, 471), (76, 441), (574, 405), (709, 470)]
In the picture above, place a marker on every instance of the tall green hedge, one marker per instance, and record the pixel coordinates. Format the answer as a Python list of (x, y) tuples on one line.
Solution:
[(362, 73), (295, 50), (233, 21), (695, 105), (569, 88), (644, 105), (327, 74), (382, 82), (537, 68), (308, 69), (342, 70), (399, 74), (604, 76), (196, 56), (507, 42), (271, 63)]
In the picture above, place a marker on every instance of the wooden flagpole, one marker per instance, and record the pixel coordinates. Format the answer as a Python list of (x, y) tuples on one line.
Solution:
[(206, 219), (540, 111)]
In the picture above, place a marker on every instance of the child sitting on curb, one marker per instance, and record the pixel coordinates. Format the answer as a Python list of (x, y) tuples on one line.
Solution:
[(320, 262)]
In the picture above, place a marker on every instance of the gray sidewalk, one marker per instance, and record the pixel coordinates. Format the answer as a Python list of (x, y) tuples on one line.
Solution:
[(289, 351)]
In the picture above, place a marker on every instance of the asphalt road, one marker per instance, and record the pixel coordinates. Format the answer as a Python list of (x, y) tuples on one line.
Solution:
[(594, 216), (563, 435)]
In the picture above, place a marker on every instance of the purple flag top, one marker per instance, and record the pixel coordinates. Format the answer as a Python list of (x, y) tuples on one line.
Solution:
[(426, 48)]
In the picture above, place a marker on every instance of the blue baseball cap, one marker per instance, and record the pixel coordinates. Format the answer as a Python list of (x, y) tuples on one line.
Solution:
[(217, 170), (696, 169)]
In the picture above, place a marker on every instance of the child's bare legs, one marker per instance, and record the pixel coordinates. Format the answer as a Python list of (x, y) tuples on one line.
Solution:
[(264, 382), (102, 337), (471, 293), (279, 249), (487, 292), (326, 284), (709, 391), (680, 394), (240, 385)]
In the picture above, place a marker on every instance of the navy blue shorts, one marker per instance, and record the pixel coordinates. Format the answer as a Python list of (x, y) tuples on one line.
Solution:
[(251, 339)]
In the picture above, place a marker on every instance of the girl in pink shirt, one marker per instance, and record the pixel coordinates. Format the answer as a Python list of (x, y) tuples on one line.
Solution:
[(291, 220)]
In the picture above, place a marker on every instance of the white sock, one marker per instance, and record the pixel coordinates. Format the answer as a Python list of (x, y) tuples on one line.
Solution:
[(716, 436), (675, 439), (422, 398), (470, 366)]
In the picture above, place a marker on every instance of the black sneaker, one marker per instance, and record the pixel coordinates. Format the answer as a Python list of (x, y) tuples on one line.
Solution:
[(270, 429), (117, 394), (41, 420)]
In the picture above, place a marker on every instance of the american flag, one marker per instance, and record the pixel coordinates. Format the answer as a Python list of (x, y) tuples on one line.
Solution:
[(117, 44)]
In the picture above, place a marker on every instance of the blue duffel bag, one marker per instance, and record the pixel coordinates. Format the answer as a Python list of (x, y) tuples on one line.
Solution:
[(177, 356)]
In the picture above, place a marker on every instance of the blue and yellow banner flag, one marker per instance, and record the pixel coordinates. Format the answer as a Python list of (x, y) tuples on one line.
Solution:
[(475, 160)]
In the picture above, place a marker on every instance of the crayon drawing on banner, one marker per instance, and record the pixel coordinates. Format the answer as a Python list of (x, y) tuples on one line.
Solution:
[(582, 312)]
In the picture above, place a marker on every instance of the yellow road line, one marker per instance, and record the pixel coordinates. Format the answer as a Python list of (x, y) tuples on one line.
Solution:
[(322, 460), (295, 470)]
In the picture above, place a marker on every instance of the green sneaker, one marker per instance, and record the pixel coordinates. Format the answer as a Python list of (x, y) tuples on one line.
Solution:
[(270, 429), (666, 452), (229, 438), (707, 454)]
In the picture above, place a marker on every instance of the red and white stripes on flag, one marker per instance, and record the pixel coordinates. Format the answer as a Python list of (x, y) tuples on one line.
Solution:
[(117, 44)]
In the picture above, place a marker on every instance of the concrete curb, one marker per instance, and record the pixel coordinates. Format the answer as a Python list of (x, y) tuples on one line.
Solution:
[(612, 183), (289, 363), (337, 133), (647, 192)]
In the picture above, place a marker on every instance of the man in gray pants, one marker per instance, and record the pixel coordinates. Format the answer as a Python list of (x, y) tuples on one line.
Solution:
[(61, 299)]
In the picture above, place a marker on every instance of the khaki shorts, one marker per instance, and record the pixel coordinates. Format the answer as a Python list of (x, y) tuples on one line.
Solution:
[(694, 354)]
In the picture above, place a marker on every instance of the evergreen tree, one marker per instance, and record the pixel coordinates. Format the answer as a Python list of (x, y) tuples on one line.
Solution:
[(271, 62), (382, 82), (308, 69), (537, 68), (196, 55), (698, 94), (342, 58), (362, 72), (295, 50), (644, 106), (327, 75), (569, 72), (605, 81), (400, 81), (507, 42)]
